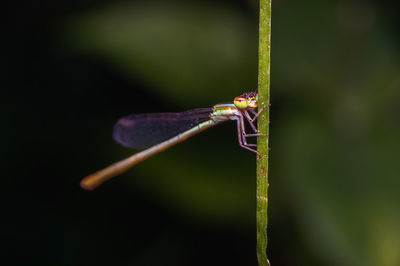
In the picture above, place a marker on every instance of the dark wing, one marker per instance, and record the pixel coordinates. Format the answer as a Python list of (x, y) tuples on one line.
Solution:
[(140, 131)]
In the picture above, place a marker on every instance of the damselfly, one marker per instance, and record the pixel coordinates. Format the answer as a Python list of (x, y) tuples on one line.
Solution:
[(156, 132)]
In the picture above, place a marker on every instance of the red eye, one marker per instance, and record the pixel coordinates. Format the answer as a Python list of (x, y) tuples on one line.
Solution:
[(253, 103)]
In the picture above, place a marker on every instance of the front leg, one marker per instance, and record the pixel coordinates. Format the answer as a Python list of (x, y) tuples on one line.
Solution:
[(250, 120), (242, 136), (256, 114)]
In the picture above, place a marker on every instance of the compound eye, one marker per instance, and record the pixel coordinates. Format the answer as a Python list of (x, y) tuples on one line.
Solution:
[(240, 102), (253, 102)]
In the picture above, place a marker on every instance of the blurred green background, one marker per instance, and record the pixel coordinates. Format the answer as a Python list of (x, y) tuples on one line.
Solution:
[(72, 68)]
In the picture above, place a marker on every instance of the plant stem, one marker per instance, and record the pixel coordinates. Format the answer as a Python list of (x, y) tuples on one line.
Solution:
[(263, 126)]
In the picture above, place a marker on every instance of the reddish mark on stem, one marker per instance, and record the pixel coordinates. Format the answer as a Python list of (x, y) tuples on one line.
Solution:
[(263, 198), (262, 170)]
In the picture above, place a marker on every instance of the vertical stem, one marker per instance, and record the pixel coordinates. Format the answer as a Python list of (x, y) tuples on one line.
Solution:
[(263, 126)]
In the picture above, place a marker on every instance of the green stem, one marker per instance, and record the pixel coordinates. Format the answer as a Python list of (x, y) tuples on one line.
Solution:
[(263, 126)]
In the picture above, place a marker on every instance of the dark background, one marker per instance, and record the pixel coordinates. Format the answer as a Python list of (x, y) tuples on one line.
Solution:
[(72, 68)]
